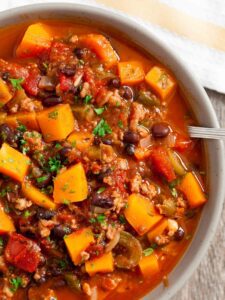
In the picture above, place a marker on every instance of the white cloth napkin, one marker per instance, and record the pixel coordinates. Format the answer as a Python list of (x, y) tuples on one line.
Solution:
[(207, 62)]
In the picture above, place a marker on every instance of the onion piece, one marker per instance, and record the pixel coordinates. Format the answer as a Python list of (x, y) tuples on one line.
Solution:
[(46, 83), (146, 142), (112, 244)]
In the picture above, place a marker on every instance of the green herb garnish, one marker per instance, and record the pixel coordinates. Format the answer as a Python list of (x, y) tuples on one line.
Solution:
[(101, 190), (122, 219), (54, 164), (15, 283), (41, 179), (99, 110), (102, 128), (22, 128), (53, 115), (16, 83), (148, 251), (120, 124), (1, 242), (87, 99), (26, 214)]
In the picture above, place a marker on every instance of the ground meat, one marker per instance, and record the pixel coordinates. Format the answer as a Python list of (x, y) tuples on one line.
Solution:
[(122, 164), (137, 114), (34, 141), (86, 288), (22, 203), (135, 183), (162, 240), (85, 90), (3, 266), (39, 274), (107, 153), (84, 256), (45, 227), (148, 190)]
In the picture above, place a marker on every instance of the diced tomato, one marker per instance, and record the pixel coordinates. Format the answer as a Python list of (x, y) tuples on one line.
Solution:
[(22, 252), (120, 178), (31, 83), (66, 83), (182, 143), (161, 163)]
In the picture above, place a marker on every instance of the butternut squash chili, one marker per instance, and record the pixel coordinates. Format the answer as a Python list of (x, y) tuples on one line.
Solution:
[(100, 185)]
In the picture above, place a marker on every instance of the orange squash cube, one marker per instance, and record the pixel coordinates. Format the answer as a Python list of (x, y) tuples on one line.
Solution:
[(56, 123), (157, 230), (192, 190), (81, 140), (141, 214), (27, 119), (71, 185), (149, 265), (161, 82), (5, 94), (13, 163), (101, 46), (36, 40), (102, 264), (6, 223), (77, 242), (131, 72), (37, 197)]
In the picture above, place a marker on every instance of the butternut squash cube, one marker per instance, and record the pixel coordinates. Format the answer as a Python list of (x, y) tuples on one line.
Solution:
[(149, 265), (102, 264), (37, 197), (13, 163), (5, 94), (161, 82), (81, 140), (56, 123), (192, 190), (71, 185), (157, 230), (36, 40), (141, 214), (131, 72), (77, 242), (6, 223), (27, 119), (101, 46)]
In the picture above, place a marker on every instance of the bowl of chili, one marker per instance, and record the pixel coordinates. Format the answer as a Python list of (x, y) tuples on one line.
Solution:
[(102, 189)]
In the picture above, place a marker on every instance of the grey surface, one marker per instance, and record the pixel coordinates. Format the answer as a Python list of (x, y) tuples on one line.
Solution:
[(208, 281)]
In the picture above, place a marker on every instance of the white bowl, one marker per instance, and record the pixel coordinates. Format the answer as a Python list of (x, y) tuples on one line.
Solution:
[(198, 101)]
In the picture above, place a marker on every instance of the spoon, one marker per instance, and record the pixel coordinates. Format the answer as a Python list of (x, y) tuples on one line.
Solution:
[(206, 133)]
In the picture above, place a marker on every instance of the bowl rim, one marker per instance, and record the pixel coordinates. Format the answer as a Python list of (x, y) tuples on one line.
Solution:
[(129, 24)]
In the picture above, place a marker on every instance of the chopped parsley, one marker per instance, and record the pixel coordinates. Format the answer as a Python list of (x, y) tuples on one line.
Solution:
[(26, 214), (54, 164), (16, 83), (99, 219), (174, 183), (22, 128), (15, 283), (42, 179), (53, 115), (148, 251), (62, 264), (174, 192), (102, 128), (87, 99), (1, 242), (99, 110), (101, 190), (122, 219), (120, 124), (58, 146)]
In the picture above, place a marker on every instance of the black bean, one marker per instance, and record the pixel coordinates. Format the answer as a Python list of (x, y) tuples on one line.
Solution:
[(51, 101), (160, 130), (64, 153), (179, 234), (107, 141), (103, 174), (68, 70), (60, 231), (5, 76), (130, 149), (97, 140), (43, 181), (102, 201), (114, 83), (44, 214), (131, 137), (127, 92), (7, 135), (79, 52)]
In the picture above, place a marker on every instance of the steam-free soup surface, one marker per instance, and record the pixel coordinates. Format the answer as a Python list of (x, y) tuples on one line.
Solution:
[(101, 187)]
